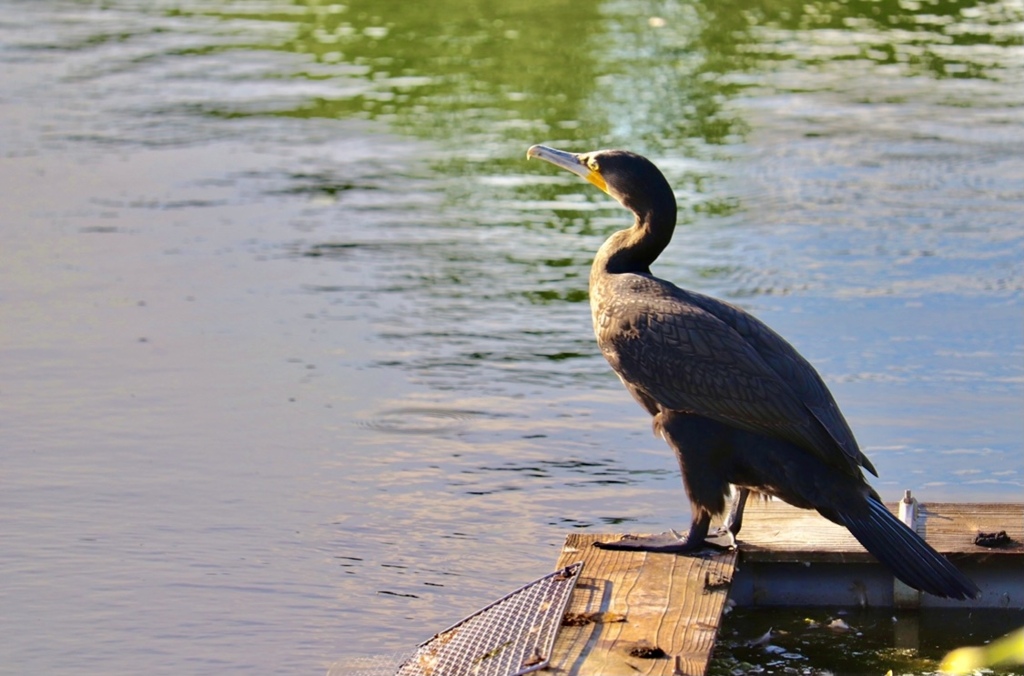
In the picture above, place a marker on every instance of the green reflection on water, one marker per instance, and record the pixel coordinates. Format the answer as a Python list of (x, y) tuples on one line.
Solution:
[(485, 80), (921, 37), (444, 69), (651, 74)]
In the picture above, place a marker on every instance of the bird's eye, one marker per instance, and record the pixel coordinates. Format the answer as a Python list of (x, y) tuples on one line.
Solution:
[(592, 165)]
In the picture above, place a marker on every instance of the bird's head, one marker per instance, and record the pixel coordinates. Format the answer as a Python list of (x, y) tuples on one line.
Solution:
[(631, 179)]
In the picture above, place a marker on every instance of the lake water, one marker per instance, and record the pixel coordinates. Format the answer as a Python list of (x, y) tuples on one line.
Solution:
[(295, 354)]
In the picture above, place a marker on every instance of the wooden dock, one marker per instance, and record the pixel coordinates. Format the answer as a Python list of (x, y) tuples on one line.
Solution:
[(635, 613), (640, 613)]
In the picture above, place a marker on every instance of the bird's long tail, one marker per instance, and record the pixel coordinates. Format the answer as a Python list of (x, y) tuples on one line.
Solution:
[(906, 554)]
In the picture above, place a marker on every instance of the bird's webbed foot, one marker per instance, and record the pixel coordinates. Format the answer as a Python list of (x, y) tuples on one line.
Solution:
[(674, 543), (663, 543)]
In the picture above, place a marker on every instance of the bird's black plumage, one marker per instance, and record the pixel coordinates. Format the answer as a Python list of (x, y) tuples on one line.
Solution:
[(735, 401)]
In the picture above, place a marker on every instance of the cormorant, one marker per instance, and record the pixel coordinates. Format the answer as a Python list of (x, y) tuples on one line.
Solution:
[(736, 402)]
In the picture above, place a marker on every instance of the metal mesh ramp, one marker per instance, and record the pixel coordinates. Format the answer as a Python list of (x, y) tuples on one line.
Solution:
[(512, 636)]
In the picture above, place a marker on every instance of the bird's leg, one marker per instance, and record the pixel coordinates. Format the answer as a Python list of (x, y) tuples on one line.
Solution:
[(734, 521), (725, 536), (668, 543)]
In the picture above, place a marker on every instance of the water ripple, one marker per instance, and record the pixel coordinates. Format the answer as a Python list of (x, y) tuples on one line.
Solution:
[(425, 420)]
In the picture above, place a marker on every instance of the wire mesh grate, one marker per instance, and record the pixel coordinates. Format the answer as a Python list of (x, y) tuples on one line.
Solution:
[(512, 636)]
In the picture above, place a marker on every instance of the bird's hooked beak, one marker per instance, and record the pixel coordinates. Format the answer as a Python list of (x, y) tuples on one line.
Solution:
[(577, 164)]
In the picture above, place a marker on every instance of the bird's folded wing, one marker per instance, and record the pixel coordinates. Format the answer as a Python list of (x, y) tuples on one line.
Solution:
[(696, 354)]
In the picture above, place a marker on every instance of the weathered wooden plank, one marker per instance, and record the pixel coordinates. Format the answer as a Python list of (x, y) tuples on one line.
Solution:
[(637, 613), (775, 531), (950, 527), (792, 556)]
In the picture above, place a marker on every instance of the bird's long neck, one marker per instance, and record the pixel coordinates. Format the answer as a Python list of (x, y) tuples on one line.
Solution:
[(634, 249)]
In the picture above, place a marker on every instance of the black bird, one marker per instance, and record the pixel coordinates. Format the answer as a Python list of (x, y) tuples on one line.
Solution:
[(734, 400)]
